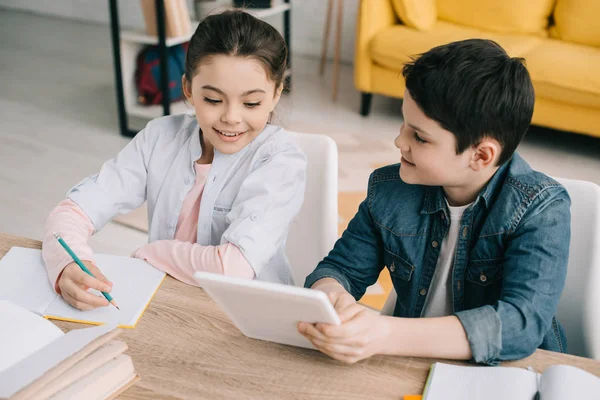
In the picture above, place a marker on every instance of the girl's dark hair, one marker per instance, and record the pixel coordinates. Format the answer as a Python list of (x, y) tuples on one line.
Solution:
[(474, 89), (237, 33)]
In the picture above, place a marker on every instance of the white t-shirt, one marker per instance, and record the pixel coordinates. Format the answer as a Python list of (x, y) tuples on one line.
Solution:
[(439, 300)]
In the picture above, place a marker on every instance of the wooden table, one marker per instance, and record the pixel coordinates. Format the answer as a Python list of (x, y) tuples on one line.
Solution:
[(184, 347)]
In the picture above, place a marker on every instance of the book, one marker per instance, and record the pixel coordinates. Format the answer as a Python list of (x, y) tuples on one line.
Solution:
[(24, 282), (41, 360), (558, 382), (177, 18)]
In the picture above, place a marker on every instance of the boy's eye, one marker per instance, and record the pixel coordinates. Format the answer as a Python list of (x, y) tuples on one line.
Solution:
[(252, 105), (418, 138), (211, 101)]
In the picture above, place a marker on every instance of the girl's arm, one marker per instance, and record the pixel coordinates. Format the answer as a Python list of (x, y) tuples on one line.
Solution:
[(181, 259), (121, 184), (76, 229)]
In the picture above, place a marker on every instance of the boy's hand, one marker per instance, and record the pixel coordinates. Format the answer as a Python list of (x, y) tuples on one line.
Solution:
[(363, 333), (74, 283)]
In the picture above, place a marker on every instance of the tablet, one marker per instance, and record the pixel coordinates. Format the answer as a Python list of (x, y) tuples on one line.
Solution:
[(266, 310)]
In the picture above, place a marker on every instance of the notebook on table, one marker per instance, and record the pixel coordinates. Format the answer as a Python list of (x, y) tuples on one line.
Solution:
[(24, 281), (558, 382)]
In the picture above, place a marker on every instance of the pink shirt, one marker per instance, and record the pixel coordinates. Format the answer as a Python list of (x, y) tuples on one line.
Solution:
[(179, 258)]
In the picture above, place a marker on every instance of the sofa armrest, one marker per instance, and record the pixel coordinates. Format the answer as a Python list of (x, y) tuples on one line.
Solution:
[(373, 16)]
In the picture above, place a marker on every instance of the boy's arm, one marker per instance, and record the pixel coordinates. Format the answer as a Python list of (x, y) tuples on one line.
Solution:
[(356, 259), (534, 275), (364, 332)]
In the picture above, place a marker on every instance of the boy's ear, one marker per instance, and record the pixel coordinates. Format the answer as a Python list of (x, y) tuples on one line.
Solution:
[(485, 154), (187, 89)]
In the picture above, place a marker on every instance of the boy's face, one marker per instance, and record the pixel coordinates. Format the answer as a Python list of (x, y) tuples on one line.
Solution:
[(429, 151)]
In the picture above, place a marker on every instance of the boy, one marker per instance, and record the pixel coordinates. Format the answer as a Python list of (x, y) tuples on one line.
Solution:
[(475, 241)]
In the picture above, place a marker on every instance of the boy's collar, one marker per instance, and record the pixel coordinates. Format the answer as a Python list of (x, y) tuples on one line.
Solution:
[(435, 199)]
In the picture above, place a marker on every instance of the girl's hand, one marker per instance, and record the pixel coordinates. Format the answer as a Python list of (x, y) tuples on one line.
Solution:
[(73, 284)]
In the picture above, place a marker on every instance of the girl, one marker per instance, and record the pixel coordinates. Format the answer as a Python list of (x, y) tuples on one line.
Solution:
[(221, 187)]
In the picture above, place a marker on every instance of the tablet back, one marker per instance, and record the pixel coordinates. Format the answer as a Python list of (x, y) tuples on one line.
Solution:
[(268, 311)]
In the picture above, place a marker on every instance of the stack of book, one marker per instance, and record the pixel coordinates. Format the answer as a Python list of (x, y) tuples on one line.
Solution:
[(39, 361)]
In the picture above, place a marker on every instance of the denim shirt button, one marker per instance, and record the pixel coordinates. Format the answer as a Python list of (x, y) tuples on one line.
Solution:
[(434, 244), (482, 278), (392, 267), (423, 292)]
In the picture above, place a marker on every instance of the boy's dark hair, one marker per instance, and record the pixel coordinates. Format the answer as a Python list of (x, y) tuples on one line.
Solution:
[(473, 89), (237, 33)]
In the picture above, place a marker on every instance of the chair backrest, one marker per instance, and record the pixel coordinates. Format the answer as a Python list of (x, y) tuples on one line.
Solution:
[(579, 307), (314, 231)]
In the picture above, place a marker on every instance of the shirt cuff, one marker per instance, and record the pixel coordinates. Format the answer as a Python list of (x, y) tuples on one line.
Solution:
[(327, 272), (484, 332)]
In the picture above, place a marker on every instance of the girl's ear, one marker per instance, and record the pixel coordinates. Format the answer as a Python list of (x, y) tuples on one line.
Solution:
[(277, 96), (187, 89)]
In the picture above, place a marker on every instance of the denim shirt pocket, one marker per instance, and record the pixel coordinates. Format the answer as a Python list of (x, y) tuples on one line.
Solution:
[(483, 282), (401, 272)]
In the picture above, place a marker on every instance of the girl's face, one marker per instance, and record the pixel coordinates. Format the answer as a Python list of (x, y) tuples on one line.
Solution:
[(233, 98)]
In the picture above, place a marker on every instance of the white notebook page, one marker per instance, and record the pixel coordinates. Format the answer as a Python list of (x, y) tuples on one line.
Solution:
[(22, 333), (24, 280), (451, 382), (562, 382), (134, 283)]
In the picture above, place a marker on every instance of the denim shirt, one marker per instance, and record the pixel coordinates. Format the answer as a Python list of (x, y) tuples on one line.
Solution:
[(249, 198), (509, 266)]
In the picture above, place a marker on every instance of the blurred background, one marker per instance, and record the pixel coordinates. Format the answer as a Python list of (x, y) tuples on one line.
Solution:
[(60, 90)]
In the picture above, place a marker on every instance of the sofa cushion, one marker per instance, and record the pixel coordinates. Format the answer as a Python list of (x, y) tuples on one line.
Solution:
[(566, 72), (577, 21), (505, 16), (418, 14), (393, 46)]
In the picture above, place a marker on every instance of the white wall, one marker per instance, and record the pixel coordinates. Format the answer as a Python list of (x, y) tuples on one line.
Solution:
[(308, 19)]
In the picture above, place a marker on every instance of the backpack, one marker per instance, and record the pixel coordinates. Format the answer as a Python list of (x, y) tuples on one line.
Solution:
[(147, 74)]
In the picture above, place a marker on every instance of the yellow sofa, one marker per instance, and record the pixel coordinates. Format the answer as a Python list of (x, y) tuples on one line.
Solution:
[(559, 39)]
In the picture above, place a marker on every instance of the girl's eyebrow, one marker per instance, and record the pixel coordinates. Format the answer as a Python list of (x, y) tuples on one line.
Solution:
[(246, 93)]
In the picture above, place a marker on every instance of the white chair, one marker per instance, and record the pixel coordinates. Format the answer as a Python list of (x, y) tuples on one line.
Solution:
[(314, 231), (579, 307)]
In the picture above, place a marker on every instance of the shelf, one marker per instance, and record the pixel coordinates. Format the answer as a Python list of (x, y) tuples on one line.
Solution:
[(141, 37), (155, 111), (267, 12)]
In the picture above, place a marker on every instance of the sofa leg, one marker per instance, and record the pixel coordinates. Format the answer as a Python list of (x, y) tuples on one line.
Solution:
[(365, 103)]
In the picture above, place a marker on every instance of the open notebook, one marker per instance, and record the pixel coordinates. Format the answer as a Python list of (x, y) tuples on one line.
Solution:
[(24, 281), (559, 382)]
